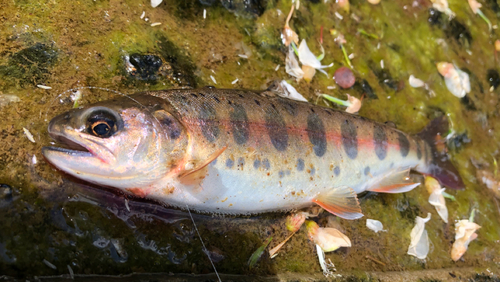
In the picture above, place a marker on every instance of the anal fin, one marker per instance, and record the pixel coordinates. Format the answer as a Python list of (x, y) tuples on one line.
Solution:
[(395, 182), (341, 201)]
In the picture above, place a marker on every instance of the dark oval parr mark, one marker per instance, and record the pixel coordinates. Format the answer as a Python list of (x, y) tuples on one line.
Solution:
[(316, 134), (404, 144), (239, 124), (380, 141), (276, 129), (208, 123), (349, 138)]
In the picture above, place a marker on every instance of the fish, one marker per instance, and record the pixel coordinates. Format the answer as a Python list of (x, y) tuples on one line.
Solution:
[(242, 152)]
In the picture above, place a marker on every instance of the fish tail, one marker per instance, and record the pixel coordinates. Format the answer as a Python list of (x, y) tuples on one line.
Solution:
[(438, 163)]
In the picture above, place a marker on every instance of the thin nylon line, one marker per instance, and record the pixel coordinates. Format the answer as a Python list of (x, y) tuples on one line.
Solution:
[(203, 244)]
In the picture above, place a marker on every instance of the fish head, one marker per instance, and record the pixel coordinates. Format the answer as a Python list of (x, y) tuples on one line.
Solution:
[(121, 143)]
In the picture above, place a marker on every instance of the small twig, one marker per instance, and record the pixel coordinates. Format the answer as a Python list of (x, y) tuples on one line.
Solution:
[(375, 260)]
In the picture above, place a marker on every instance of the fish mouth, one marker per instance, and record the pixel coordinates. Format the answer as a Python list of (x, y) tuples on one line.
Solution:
[(72, 147)]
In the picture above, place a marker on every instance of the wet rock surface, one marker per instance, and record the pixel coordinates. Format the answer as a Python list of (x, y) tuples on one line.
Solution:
[(49, 219)]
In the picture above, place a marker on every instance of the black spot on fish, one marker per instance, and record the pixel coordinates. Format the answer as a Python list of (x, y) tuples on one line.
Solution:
[(380, 140), (289, 107), (316, 134), (229, 163), (281, 174), (419, 150), (328, 112), (216, 99), (404, 144), (273, 106), (241, 96), (194, 95), (256, 163), (367, 170), (229, 102), (209, 125), (257, 102), (336, 170), (349, 138), (276, 129), (300, 165), (201, 94), (239, 124), (266, 164), (241, 162)]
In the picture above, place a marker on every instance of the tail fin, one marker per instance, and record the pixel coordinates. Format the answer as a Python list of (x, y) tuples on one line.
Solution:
[(439, 166)]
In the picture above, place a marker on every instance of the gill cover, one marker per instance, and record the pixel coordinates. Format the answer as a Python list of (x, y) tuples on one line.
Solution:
[(124, 143)]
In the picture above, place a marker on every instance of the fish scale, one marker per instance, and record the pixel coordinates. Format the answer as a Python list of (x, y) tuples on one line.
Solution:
[(245, 152)]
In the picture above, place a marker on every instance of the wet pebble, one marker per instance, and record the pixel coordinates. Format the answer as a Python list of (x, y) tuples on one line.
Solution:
[(146, 67), (344, 77)]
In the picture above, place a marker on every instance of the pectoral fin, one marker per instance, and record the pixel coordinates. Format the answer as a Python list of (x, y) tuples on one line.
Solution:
[(395, 182), (198, 172), (341, 201)]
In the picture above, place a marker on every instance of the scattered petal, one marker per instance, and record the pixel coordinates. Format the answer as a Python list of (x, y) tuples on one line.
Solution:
[(234, 81), (155, 24), (442, 6), (295, 221), (431, 184), (47, 263), (344, 4), (456, 80), (374, 225), (489, 179), (155, 3), (355, 104), (464, 234), (327, 267), (437, 200), (292, 65), (497, 45), (307, 58), (474, 5), (419, 246), (329, 239), (415, 82), (43, 86), (309, 72), (29, 135), (344, 77), (374, 2)]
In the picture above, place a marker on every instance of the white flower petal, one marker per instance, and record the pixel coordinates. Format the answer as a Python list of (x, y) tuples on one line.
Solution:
[(464, 234), (437, 200), (155, 3), (374, 225), (291, 92), (415, 82), (306, 57), (419, 246), (292, 65)]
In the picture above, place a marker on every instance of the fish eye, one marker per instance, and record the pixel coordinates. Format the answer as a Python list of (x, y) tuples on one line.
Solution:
[(102, 124)]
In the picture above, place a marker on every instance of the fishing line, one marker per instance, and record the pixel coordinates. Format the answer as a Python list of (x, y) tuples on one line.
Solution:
[(203, 244)]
